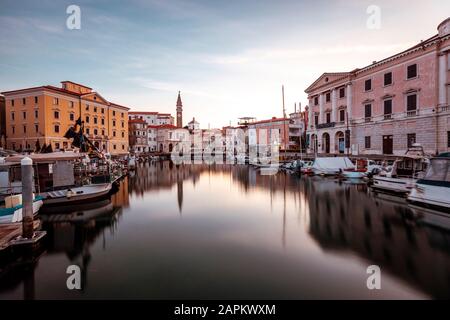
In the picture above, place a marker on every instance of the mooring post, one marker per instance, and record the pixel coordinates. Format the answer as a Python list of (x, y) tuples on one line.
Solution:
[(27, 198)]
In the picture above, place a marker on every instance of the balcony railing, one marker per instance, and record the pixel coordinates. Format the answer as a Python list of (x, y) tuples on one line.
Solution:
[(444, 109), (388, 116), (412, 113), (367, 119)]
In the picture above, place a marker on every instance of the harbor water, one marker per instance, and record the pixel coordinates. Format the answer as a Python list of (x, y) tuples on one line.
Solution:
[(228, 232)]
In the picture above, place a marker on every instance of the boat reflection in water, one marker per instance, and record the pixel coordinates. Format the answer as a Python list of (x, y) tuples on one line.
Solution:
[(223, 231)]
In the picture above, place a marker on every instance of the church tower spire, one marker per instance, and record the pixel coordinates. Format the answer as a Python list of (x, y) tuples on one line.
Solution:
[(179, 111)]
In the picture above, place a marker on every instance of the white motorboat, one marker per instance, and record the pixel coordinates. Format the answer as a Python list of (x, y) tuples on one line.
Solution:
[(12, 212), (433, 190), (403, 174)]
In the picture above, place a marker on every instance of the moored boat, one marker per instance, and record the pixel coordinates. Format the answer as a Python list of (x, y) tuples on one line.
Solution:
[(404, 172), (80, 194), (63, 178), (11, 212), (433, 190), (331, 165)]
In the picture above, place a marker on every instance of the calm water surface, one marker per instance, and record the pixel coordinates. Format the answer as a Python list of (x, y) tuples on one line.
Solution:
[(225, 231)]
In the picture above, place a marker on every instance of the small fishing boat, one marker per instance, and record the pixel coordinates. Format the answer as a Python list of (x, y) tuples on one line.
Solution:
[(80, 194), (358, 172), (63, 178), (364, 168), (11, 211), (404, 172), (433, 190)]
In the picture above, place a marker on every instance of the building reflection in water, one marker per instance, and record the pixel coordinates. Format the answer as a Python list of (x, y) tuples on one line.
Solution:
[(340, 218), (70, 231), (387, 233)]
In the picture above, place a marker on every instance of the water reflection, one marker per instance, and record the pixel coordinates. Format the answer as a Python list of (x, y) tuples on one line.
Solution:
[(222, 231)]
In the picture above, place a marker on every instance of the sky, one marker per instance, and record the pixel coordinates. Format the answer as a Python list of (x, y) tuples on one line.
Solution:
[(228, 58)]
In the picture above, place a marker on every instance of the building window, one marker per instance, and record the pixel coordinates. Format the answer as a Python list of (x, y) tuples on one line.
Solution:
[(411, 139), (71, 117), (122, 117), (13, 129), (55, 101), (388, 109), (367, 142), (123, 124), (12, 102), (87, 107), (102, 110), (411, 71), (95, 109), (328, 117), (411, 102), (342, 115), (71, 104), (95, 131), (56, 114), (35, 99), (36, 128), (114, 133), (368, 85), (24, 101), (316, 119), (123, 134), (388, 79), (56, 145), (114, 146), (87, 130), (36, 114), (12, 116), (24, 115), (316, 101), (341, 92), (123, 147), (114, 113), (87, 119), (95, 120), (114, 123), (368, 111), (328, 97), (103, 121), (24, 129), (57, 128)]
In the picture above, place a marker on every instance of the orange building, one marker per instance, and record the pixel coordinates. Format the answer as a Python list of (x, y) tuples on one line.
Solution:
[(41, 115)]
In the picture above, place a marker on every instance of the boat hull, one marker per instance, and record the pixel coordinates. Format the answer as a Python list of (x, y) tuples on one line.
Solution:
[(77, 195), (354, 174), (400, 186), (16, 216), (429, 196)]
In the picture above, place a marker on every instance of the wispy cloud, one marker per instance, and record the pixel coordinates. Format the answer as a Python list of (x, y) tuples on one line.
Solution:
[(269, 54)]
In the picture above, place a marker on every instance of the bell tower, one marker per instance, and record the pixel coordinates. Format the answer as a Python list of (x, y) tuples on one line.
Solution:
[(179, 111)]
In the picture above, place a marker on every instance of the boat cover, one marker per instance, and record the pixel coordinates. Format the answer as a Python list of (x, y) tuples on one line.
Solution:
[(332, 164)]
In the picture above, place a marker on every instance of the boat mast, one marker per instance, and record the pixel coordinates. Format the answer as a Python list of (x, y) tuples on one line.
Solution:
[(284, 121)]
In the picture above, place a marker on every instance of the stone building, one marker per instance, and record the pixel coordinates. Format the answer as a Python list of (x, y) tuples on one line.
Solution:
[(385, 107), (42, 115)]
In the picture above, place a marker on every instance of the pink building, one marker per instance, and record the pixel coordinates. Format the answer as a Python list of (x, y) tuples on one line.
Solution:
[(276, 124), (152, 117), (386, 106)]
